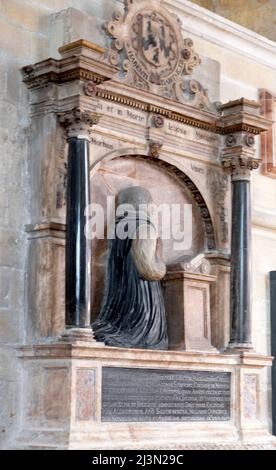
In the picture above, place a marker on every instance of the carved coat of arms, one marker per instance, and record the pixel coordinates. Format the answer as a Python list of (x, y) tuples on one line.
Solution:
[(147, 41), (157, 40), (154, 44)]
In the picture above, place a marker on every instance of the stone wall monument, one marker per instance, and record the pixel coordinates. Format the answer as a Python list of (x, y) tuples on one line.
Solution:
[(133, 106)]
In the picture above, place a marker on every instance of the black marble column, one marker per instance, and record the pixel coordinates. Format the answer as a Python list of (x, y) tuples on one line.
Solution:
[(239, 157), (273, 345), (78, 248), (78, 124), (240, 299)]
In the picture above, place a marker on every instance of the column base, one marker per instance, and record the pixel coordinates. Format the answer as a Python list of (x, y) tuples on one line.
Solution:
[(239, 347), (76, 335)]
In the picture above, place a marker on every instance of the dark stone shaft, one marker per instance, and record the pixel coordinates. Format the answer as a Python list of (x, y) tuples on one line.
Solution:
[(78, 248), (273, 345), (240, 300)]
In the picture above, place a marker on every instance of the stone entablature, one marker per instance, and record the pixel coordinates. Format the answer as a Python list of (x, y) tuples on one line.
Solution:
[(86, 67)]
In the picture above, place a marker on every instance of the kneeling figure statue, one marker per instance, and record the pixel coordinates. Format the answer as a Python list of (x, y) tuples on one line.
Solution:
[(133, 311)]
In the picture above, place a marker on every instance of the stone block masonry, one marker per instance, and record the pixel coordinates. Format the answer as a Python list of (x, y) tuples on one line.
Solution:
[(28, 29)]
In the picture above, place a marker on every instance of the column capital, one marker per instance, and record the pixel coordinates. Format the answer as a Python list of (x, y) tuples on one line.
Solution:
[(238, 155), (78, 122), (240, 166)]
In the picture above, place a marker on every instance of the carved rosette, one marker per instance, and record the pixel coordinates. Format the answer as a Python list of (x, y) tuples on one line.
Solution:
[(249, 140), (78, 123), (147, 40), (230, 141), (240, 139), (158, 121), (90, 88)]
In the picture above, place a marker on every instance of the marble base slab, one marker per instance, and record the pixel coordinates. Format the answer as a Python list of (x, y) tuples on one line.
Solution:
[(62, 400)]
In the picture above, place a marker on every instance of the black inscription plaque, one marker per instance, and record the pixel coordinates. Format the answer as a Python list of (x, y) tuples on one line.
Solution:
[(131, 395)]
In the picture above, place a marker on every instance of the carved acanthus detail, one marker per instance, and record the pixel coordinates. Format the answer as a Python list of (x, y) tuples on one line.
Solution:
[(147, 41), (78, 122), (241, 162), (240, 166), (239, 156)]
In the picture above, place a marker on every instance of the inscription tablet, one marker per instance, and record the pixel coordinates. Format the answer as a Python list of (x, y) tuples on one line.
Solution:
[(131, 395)]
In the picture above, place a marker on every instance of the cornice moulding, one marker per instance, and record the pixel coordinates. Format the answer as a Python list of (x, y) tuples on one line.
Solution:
[(97, 351)]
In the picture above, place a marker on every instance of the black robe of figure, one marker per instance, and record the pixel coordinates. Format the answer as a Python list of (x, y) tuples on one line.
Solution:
[(133, 313)]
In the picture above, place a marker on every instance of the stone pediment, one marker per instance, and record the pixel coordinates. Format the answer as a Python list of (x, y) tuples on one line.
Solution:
[(149, 48)]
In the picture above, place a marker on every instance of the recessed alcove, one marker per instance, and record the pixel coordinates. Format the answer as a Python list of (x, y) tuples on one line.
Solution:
[(166, 188)]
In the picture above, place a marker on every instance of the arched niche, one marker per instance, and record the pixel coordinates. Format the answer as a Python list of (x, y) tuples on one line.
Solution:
[(167, 184)]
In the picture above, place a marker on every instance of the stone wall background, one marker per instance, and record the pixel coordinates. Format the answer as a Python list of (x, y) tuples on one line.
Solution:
[(258, 15), (31, 30), (28, 32)]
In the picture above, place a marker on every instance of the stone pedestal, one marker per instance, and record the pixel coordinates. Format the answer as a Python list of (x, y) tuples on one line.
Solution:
[(187, 299), (220, 300), (65, 397)]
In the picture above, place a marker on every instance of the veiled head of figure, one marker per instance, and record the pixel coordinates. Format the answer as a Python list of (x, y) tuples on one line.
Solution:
[(131, 202), (136, 196)]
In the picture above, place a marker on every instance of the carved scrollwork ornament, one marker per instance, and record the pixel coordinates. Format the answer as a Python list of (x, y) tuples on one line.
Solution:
[(205, 267), (196, 95), (155, 148), (112, 57), (199, 264), (217, 182), (191, 58), (147, 40)]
